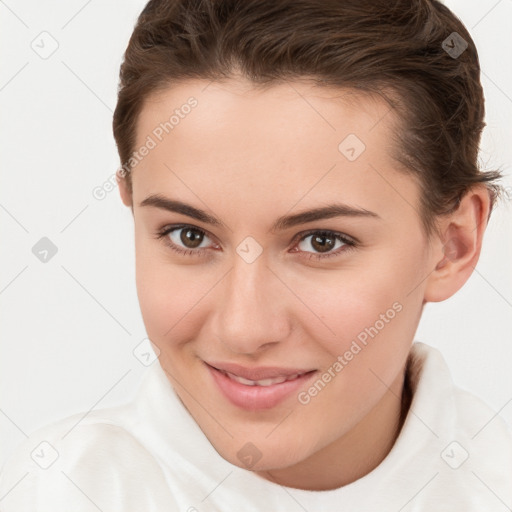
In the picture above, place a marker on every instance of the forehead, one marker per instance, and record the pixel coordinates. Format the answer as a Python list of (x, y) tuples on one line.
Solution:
[(235, 102), (284, 142)]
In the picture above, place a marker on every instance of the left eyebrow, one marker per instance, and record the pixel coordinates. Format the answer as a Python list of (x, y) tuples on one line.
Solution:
[(325, 212), (282, 223)]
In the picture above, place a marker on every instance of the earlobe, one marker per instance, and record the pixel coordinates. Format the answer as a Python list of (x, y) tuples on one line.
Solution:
[(456, 254)]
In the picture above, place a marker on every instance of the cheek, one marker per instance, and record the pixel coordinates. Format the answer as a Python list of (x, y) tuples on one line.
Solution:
[(160, 288), (170, 296), (368, 331), (343, 303), (367, 314), (373, 329)]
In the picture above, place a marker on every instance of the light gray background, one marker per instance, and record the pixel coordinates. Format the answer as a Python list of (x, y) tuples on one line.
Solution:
[(70, 325)]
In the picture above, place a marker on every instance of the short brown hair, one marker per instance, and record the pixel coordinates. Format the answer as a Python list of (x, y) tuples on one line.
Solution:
[(397, 50)]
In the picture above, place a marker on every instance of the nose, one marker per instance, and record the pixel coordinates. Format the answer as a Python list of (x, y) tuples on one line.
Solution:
[(252, 309)]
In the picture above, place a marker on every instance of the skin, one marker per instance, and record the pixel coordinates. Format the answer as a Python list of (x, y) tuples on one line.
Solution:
[(248, 156)]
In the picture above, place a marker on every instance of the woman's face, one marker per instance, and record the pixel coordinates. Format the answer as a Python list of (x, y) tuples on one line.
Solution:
[(335, 297)]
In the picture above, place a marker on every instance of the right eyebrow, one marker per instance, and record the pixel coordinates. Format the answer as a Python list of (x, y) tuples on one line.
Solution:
[(173, 205)]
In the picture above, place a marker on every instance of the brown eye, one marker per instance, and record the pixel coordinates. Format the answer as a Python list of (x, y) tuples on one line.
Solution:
[(321, 242), (324, 244), (184, 239), (191, 238)]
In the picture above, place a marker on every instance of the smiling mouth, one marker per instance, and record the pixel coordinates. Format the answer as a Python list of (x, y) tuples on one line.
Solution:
[(263, 382), (254, 394)]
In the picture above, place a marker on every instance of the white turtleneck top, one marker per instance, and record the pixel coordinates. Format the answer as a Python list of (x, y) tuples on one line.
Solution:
[(453, 454)]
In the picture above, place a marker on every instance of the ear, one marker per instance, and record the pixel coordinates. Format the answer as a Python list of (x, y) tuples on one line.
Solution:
[(456, 253), (124, 190)]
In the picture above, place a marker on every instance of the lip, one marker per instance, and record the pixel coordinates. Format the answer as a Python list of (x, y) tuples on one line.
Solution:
[(253, 398)]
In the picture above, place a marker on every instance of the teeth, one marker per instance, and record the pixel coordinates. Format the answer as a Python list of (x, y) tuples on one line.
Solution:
[(263, 382)]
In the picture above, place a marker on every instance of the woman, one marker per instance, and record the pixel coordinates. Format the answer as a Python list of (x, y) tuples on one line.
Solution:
[(303, 179)]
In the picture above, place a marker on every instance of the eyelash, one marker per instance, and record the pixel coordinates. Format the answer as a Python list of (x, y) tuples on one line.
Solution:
[(349, 242)]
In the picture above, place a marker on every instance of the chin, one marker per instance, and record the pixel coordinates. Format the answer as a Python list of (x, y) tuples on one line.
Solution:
[(254, 459)]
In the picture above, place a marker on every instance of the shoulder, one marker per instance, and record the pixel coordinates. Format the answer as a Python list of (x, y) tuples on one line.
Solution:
[(479, 455), (483, 429), (470, 416), (82, 464), (469, 447)]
